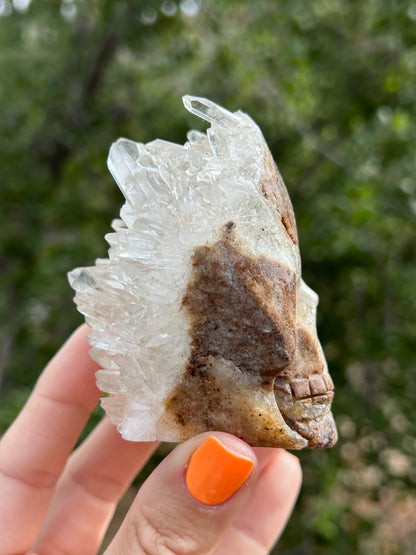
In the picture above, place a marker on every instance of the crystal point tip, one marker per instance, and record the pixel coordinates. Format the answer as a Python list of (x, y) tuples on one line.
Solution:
[(209, 111)]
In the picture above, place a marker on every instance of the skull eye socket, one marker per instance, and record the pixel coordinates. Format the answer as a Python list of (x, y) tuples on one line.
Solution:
[(242, 308)]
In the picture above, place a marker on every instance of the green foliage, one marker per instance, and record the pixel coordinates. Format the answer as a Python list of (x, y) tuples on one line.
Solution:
[(331, 84)]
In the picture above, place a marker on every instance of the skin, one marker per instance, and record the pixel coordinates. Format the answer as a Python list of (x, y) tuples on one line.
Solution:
[(57, 501)]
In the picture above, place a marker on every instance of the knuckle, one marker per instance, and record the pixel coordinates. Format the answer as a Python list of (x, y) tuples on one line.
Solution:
[(103, 488), (32, 477), (157, 534)]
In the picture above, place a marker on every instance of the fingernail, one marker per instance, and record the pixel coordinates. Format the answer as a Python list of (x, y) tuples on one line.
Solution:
[(215, 473)]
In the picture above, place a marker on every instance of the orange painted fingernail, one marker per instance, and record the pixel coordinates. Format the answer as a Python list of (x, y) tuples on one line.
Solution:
[(215, 473)]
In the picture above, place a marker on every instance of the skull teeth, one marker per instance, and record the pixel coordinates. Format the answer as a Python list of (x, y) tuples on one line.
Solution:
[(318, 388), (328, 382)]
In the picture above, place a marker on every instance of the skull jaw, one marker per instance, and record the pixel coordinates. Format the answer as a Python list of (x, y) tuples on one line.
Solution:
[(320, 432), (311, 417), (227, 399)]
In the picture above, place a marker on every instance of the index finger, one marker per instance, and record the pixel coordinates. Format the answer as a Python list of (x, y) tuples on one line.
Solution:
[(266, 513), (34, 450)]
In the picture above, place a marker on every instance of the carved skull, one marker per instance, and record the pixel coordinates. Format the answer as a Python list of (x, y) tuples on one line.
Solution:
[(238, 350)]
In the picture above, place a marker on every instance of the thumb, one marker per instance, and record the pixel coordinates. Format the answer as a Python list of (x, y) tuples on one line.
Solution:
[(190, 499)]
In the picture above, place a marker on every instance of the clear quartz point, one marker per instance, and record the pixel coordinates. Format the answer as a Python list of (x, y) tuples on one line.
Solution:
[(209, 111)]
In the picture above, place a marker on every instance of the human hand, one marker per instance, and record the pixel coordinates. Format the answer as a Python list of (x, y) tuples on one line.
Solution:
[(54, 502)]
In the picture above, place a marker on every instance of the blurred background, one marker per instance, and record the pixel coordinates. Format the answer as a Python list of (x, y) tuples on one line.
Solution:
[(332, 85)]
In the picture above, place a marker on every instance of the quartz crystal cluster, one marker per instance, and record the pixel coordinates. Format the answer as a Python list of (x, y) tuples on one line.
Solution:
[(200, 319)]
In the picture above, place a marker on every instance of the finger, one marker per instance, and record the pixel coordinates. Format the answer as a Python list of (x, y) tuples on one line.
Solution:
[(266, 513), (191, 498), (97, 475), (35, 449)]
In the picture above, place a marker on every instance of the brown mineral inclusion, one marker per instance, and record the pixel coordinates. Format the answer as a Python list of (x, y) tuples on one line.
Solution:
[(232, 292), (273, 188), (243, 311)]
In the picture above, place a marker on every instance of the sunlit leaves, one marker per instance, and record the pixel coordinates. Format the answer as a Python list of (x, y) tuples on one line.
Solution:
[(332, 85)]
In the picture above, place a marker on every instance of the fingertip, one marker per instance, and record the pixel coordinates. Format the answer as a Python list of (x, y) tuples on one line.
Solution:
[(85, 328), (271, 502), (216, 470), (283, 473), (292, 467)]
